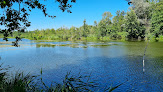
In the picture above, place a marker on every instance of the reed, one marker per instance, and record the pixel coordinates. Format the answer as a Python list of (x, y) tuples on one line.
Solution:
[(20, 82)]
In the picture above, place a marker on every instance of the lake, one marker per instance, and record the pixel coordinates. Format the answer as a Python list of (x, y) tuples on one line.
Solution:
[(109, 63)]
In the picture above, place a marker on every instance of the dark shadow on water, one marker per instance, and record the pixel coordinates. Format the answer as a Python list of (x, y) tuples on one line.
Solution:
[(109, 71)]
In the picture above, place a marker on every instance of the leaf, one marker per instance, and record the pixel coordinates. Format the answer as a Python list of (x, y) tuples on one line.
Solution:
[(113, 88), (41, 71), (4, 2)]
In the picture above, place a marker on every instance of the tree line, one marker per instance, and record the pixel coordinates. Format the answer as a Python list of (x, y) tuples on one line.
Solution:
[(143, 20)]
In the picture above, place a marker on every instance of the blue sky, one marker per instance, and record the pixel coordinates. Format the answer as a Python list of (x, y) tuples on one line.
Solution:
[(90, 10)]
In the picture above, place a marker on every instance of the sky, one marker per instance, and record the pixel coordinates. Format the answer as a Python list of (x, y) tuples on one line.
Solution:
[(91, 10)]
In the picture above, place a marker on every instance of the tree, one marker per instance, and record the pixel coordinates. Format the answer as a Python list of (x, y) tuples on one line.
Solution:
[(143, 11), (96, 32), (16, 19), (85, 29), (157, 19), (106, 17), (131, 24), (104, 24), (118, 21)]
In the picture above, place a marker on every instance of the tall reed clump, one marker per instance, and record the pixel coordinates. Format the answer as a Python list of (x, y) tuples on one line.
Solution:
[(20, 82), (17, 82)]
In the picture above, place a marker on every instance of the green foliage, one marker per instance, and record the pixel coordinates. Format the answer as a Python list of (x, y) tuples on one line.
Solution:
[(132, 25), (105, 24), (142, 9), (157, 19), (118, 21), (85, 30)]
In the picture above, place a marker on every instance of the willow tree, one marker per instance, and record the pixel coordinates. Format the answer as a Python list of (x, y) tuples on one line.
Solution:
[(143, 11)]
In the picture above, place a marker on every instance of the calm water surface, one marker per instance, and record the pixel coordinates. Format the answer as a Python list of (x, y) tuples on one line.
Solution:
[(109, 63)]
